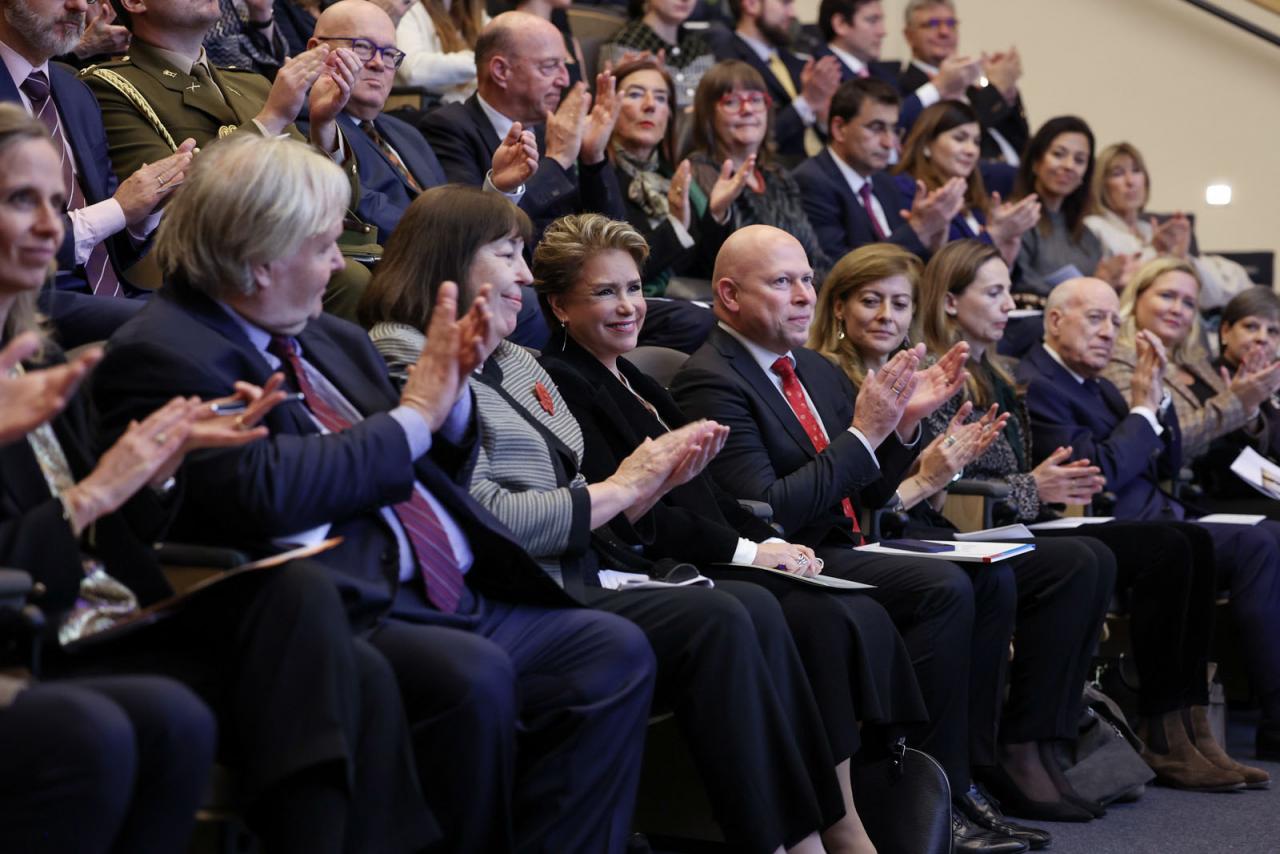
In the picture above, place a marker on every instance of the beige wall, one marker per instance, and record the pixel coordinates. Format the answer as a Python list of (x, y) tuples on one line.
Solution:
[(1198, 97)]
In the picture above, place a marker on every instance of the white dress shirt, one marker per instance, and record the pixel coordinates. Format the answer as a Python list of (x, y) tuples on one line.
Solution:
[(855, 182), (91, 224)]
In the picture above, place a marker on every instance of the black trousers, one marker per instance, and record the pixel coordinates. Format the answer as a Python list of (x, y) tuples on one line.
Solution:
[(949, 622), (528, 723), (1165, 571), (728, 669), (1063, 589), (114, 764), (857, 664), (272, 655)]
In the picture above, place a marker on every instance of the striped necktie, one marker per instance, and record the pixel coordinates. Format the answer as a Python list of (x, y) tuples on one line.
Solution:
[(98, 270), (390, 153), (426, 535)]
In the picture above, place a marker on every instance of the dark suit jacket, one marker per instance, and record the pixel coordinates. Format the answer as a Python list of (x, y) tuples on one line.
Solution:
[(788, 127), (384, 194), (183, 343), (768, 456), (994, 112), (82, 125), (837, 214), (464, 141), (696, 522), (1099, 427), (35, 538), (886, 71)]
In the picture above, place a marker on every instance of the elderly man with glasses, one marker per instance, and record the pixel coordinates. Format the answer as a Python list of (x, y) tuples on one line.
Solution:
[(394, 162)]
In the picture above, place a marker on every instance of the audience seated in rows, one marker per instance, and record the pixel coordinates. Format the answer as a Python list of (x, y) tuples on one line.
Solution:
[(1137, 444), (319, 742), (1118, 200), (800, 442), (492, 658)]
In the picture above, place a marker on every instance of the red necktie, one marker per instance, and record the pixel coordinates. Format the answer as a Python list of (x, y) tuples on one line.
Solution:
[(794, 393), (865, 193), (98, 269), (427, 536)]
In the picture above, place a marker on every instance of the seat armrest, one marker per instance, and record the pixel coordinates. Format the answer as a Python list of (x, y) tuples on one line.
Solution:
[(985, 488), (760, 509), (206, 557)]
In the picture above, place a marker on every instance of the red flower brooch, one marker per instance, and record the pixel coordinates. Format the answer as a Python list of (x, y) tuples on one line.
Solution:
[(544, 398)]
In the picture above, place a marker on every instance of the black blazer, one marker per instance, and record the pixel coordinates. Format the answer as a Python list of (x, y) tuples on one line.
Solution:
[(464, 141), (886, 71), (768, 456), (837, 214), (184, 343), (35, 538), (788, 127), (81, 121), (1097, 424), (994, 112), (697, 522)]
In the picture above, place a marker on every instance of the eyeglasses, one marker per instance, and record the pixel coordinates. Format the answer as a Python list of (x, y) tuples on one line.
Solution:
[(737, 102), (365, 50), (936, 23)]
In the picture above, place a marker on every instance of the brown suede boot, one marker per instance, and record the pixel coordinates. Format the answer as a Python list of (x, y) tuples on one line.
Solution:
[(1202, 737), (1176, 761)]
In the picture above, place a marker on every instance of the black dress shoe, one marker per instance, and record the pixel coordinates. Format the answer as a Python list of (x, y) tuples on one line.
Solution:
[(969, 838), (982, 811), (1014, 802)]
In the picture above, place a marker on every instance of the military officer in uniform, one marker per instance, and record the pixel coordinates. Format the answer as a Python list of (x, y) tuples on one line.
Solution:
[(166, 90)]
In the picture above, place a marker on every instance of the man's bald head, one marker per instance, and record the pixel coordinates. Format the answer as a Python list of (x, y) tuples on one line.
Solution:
[(1081, 318), (361, 19), (520, 66), (763, 287)]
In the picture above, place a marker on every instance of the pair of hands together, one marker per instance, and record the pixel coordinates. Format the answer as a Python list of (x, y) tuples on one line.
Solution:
[(899, 395)]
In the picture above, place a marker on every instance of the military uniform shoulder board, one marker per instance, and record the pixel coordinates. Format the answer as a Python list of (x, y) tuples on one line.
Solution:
[(226, 131), (139, 101)]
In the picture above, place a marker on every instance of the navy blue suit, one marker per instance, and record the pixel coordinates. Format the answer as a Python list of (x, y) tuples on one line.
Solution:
[(384, 194), (788, 127), (574, 682), (886, 71), (837, 214), (1094, 419), (464, 140), (79, 316)]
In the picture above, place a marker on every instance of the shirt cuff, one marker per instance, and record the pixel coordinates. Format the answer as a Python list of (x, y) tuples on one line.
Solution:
[(928, 95), (515, 195), (143, 230), (417, 432), (93, 224), (455, 424), (915, 438), (1145, 412), (804, 111), (745, 552), (866, 444)]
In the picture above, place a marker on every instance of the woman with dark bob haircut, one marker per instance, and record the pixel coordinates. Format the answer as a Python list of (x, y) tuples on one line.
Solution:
[(728, 666)]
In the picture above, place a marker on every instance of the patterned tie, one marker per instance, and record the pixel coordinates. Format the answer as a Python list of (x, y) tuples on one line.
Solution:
[(427, 536), (865, 194), (98, 270), (372, 132), (812, 142), (794, 393)]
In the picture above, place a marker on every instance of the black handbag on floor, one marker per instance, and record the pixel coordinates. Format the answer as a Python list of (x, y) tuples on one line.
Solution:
[(904, 801)]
